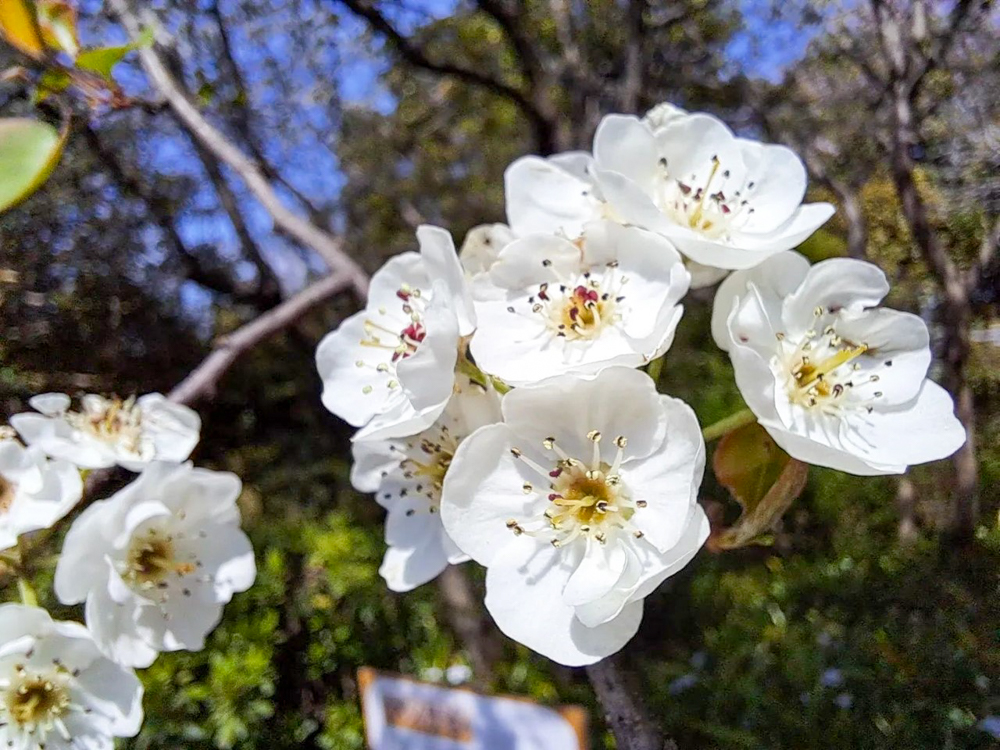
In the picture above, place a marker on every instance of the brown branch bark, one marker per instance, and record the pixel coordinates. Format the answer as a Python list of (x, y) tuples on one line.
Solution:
[(624, 709), (474, 630), (203, 380), (324, 244), (955, 308)]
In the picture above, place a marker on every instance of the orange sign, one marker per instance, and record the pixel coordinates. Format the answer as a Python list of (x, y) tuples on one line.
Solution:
[(404, 714)]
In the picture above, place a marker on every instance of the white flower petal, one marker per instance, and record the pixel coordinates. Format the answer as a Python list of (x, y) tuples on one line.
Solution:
[(483, 467), (626, 145), (668, 481), (835, 284), (618, 401), (524, 584), (600, 569), (543, 197), (50, 404), (404, 569), (438, 250), (778, 276)]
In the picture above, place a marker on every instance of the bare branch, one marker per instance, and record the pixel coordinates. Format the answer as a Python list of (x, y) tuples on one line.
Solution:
[(326, 245), (623, 707), (475, 632), (635, 32), (202, 381), (525, 47), (242, 116), (417, 57)]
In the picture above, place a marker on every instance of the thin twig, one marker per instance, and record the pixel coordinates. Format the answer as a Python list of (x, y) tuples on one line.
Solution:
[(202, 381), (325, 244)]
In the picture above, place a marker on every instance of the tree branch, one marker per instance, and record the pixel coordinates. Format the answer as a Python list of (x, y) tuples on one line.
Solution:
[(202, 381), (475, 632), (525, 47), (242, 118), (624, 709), (326, 245), (415, 56)]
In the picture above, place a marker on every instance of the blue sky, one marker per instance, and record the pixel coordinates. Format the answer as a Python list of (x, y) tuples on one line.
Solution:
[(763, 47)]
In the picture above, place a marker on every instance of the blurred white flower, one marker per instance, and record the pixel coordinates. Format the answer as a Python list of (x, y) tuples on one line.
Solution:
[(579, 504), (389, 368), (482, 245), (407, 474), (156, 561), (836, 381), (109, 431), (662, 115), (457, 674), (726, 202), (57, 691), (611, 297), (35, 492)]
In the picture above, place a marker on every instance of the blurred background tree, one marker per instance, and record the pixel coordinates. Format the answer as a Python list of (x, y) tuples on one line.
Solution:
[(871, 621)]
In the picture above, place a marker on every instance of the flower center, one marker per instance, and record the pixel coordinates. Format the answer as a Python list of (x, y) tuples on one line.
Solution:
[(8, 490), (428, 458), (401, 343), (111, 421), (151, 558), (713, 209), (821, 371), (581, 309), (586, 500), (35, 700)]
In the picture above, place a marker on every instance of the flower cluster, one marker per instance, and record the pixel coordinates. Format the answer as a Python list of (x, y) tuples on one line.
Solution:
[(504, 418), (154, 563)]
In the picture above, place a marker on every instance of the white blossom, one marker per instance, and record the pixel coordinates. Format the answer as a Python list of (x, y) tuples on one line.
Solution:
[(580, 503), (109, 431), (389, 369), (555, 195), (611, 297), (662, 115), (35, 492), (726, 202), (157, 561), (57, 691), (835, 380), (407, 474), (481, 247)]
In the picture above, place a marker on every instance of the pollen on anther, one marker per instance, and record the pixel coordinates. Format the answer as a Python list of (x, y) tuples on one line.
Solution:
[(515, 452), (594, 435), (526, 488), (621, 441), (366, 390), (641, 503), (549, 442)]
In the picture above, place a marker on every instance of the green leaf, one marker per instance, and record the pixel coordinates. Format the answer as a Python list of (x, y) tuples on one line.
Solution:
[(761, 477), (102, 60), (29, 151)]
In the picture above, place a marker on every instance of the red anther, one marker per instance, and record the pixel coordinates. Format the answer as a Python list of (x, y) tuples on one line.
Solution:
[(403, 295), (555, 472)]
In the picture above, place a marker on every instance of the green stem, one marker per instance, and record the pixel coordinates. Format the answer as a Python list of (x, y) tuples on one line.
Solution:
[(654, 368), (27, 593), (728, 424), (476, 375)]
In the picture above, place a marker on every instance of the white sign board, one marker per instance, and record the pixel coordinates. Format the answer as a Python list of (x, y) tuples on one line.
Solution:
[(403, 714)]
